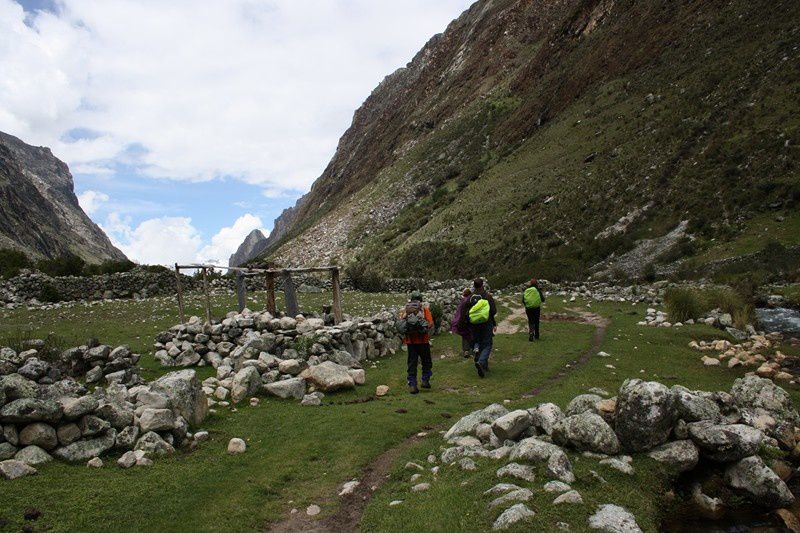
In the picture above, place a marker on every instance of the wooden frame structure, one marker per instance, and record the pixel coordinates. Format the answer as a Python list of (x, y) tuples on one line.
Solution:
[(285, 274)]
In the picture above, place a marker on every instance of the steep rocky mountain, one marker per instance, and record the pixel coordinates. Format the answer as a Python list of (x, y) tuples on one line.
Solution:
[(253, 245), (546, 137), (39, 212)]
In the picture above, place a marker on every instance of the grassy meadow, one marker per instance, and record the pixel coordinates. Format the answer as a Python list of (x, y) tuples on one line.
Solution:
[(299, 455)]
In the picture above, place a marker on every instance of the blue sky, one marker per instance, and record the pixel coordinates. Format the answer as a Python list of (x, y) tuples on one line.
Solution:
[(188, 123)]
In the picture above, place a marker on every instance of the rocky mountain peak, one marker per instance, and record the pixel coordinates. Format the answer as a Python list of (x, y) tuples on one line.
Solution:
[(253, 244)]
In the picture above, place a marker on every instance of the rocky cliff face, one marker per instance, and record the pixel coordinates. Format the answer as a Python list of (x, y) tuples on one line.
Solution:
[(40, 214), (514, 140), (253, 245)]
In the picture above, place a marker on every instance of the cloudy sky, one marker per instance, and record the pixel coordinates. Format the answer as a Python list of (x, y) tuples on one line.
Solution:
[(188, 123)]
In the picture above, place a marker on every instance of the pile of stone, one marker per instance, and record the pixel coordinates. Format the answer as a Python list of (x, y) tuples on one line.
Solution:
[(758, 350), (677, 427), (256, 353), (63, 420), (659, 319), (93, 362)]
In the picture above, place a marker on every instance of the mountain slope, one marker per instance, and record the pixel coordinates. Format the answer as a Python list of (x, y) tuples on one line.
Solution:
[(529, 127), (253, 245), (40, 214)]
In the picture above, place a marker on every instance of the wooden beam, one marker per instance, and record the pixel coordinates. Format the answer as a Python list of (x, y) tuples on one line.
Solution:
[(290, 294), (241, 291), (337, 297), (180, 293), (208, 296), (271, 294)]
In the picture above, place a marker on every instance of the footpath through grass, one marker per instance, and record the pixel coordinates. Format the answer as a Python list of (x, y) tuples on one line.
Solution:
[(301, 455)]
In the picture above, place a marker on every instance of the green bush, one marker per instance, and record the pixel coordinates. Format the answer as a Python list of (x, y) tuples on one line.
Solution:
[(108, 267), (67, 265), (683, 304), (437, 312), (11, 261), (364, 278), (48, 293)]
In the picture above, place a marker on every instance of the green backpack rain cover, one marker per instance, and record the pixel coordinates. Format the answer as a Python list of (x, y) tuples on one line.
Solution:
[(479, 313), (532, 298)]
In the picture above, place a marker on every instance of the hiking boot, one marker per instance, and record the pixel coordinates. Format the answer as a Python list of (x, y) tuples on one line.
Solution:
[(413, 389), (466, 354), (530, 337), (479, 368), (426, 384)]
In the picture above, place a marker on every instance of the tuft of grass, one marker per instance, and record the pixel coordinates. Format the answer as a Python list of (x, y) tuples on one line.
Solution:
[(683, 304)]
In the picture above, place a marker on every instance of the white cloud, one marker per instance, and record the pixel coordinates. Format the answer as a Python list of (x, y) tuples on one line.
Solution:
[(168, 240), (90, 201), (228, 239), (194, 90), (157, 241)]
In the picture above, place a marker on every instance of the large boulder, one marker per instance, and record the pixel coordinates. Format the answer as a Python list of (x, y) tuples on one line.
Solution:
[(725, 442), (511, 425), (157, 420), (13, 469), (694, 407), (586, 431), (152, 444), (14, 386), (544, 416), (287, 388), (329, 377), (118, 414), (186, 394), (645, 414), (583, 403), (27, 410), (680, 455), (469, 423), (762, 485), (533, 450), (753, 392), (614, 519), (33, 456), (75, 408), (341, 357), (39, 434), (83, 450), (246, 383)]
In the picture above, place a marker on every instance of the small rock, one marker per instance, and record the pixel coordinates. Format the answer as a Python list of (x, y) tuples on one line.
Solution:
[(420, 487), (313, 510), (236, 446), (95, 462), (513, 515), (613, 519), (572, 496), (381, 390)]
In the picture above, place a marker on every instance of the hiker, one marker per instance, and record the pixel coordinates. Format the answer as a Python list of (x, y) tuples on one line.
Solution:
[(416, 322), (460, 324), (482, 313), (532, 299)]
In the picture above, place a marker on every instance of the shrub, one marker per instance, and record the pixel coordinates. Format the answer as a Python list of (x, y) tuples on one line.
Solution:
[(364, 279), (48, 293), (109, 267), (20, 340), (649, 273), (683, 304), (437, 312), (11, 261), (66, 265)]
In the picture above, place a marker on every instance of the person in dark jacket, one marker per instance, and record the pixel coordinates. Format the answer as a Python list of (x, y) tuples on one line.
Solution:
[(418, 343), (532, 299), (483, 334), (460, 326)]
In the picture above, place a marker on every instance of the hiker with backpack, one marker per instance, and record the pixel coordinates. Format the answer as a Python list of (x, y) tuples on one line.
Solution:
[(482, 313), (460, 324), (532, 299), (416, 323)]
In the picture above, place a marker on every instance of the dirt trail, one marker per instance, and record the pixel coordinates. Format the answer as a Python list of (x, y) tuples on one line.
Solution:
[(347, 516)]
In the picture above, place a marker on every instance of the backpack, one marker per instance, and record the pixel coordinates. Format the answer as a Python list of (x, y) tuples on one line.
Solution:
[(532, 298), (413, 320), (479, 312)]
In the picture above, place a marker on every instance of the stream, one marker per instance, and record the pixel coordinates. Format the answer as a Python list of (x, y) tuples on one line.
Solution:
[(780, 319)]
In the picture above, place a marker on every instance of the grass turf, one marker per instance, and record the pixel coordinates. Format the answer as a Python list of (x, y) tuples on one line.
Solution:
[(300, 455)]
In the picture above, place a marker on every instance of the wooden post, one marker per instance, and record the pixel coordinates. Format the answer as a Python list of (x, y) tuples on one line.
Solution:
[(289, 294), (337, 297), (180, 293), (208, 297), (241, 291), (271, 294)]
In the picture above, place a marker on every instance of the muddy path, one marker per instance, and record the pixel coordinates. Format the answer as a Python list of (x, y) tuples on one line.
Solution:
[(350, 509)]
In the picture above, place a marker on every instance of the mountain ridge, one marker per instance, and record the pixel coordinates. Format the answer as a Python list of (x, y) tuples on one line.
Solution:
[(41, 215), (516, 137)]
